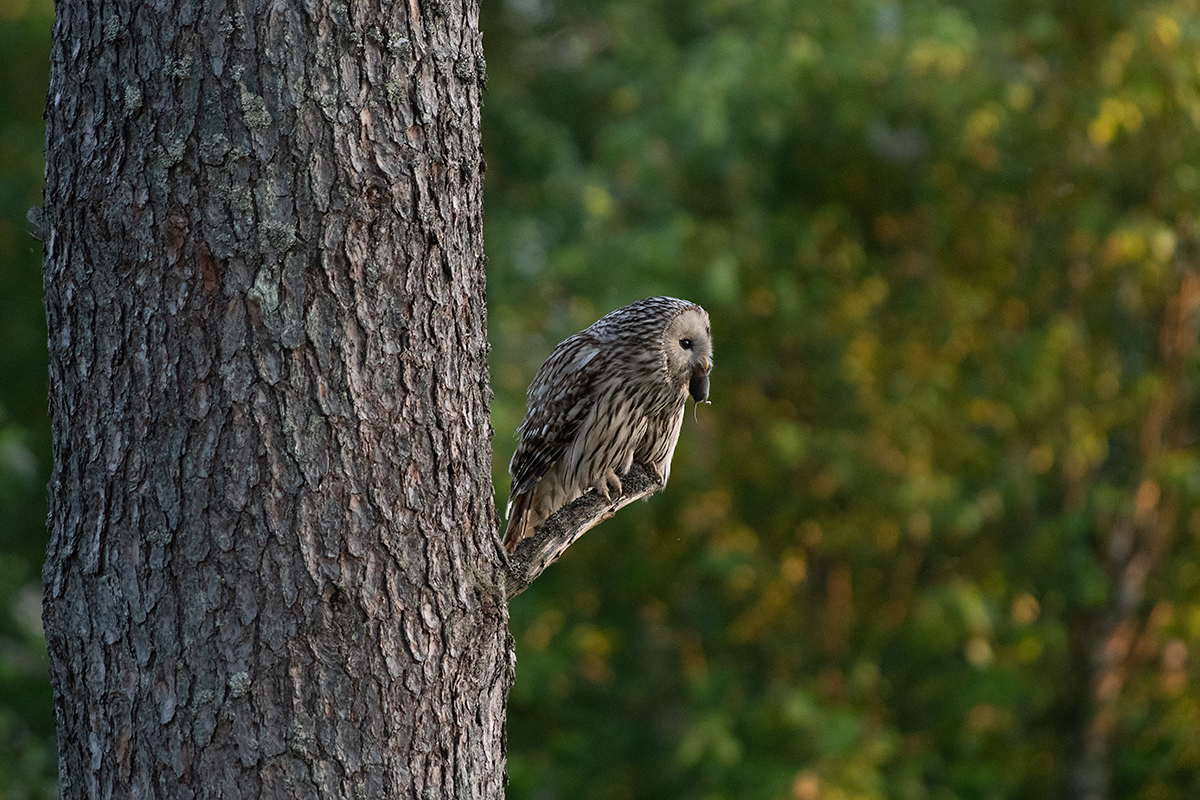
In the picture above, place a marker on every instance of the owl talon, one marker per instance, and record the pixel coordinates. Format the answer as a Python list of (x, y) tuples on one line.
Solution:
[(609, 486)]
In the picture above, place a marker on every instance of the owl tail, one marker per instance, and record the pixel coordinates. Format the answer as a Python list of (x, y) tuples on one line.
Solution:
[(518, 517)]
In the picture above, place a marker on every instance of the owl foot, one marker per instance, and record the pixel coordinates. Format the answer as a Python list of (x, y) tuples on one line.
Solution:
[(609, 485)]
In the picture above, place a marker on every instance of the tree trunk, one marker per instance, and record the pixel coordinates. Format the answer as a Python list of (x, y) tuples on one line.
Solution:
[(1121, 635), (273, 568)]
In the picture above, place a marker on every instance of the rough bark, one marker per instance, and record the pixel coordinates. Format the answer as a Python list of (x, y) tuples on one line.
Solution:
[(273, 568)]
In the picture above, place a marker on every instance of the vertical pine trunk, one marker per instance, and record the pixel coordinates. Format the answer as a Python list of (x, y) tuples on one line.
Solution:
[(273, 568)]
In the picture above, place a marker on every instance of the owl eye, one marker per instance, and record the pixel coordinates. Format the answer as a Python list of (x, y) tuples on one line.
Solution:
[(686, 344)]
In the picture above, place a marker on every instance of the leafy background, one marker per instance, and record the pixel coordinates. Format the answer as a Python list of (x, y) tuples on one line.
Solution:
[(936, 536), (28, 761)]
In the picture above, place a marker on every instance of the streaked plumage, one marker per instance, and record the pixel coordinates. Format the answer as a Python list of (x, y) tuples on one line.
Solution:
[(607, 397)]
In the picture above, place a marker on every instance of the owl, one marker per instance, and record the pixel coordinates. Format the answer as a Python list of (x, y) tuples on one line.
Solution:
[(607, 397)]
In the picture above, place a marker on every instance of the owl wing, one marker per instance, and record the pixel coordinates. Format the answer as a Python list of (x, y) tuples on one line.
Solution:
[(559, 400)]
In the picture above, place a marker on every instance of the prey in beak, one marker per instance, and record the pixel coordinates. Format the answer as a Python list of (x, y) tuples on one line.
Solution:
[(698, 385)]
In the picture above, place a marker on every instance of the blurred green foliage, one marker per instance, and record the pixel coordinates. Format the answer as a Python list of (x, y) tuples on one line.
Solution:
[(950, 253), (28, 760)]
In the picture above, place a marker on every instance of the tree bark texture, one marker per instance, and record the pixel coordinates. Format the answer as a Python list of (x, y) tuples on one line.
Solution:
[(273, 568)]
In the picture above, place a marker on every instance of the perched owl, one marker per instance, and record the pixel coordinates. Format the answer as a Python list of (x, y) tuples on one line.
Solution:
[(607, 397)]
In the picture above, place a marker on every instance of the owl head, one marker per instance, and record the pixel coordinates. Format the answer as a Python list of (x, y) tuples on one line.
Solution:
[(687, 344)]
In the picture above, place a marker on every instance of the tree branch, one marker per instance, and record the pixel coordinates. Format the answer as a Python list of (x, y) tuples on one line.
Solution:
[(573, 520)]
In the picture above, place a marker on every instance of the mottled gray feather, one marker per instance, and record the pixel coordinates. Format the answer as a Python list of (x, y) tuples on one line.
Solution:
[(607, 397)]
